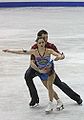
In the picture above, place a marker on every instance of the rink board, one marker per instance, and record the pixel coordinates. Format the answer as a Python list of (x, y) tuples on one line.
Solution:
[(41, 4)]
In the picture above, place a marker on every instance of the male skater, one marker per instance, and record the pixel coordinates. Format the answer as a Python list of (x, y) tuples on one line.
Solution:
[(31, 73)]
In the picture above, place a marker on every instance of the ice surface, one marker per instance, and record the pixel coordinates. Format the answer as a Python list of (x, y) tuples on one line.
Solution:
[(18, 28)]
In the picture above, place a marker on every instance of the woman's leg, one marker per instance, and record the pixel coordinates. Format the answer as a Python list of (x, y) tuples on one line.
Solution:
[(50, 87), (52, 93), (45, 84)]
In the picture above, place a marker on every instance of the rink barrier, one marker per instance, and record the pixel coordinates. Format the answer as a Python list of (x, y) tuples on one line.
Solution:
[(41, 4)]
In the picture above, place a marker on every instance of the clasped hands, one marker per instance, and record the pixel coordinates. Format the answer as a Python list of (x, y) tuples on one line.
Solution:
[(44, 70), (62, 57)]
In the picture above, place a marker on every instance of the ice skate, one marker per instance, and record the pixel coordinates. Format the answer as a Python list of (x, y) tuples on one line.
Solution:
[(34, 103), (59, 105), (49, 108), (80, 101)]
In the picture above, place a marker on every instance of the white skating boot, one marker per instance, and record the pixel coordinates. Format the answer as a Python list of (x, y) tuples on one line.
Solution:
[(49, 107), (59, 105)]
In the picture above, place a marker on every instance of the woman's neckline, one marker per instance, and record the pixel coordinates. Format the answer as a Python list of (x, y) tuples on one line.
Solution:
[(43, 52)]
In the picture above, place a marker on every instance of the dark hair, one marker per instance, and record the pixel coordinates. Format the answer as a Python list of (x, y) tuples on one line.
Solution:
[(39, 37), (42, 32)]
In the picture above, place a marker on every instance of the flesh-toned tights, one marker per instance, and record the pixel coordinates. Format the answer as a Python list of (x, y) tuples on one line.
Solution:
[(49, 85)]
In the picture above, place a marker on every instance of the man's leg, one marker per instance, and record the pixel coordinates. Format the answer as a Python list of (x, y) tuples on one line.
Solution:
[(67, 90), (29, 75)]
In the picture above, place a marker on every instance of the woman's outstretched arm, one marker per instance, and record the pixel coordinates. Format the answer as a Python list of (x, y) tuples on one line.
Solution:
[(19, 51)]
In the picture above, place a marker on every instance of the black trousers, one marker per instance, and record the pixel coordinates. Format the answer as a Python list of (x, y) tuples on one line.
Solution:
[(31, 73)]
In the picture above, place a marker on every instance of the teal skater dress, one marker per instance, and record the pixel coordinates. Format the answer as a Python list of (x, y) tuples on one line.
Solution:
[(45, 62)]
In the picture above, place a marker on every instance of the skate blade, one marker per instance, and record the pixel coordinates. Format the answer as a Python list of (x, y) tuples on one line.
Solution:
[(36, 105), (48, 112), (60, 108)]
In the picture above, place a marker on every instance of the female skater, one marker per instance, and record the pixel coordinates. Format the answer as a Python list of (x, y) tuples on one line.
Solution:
[(45, 67)]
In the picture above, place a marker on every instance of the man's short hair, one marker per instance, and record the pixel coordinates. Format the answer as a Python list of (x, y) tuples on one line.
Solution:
[(42, 32)]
